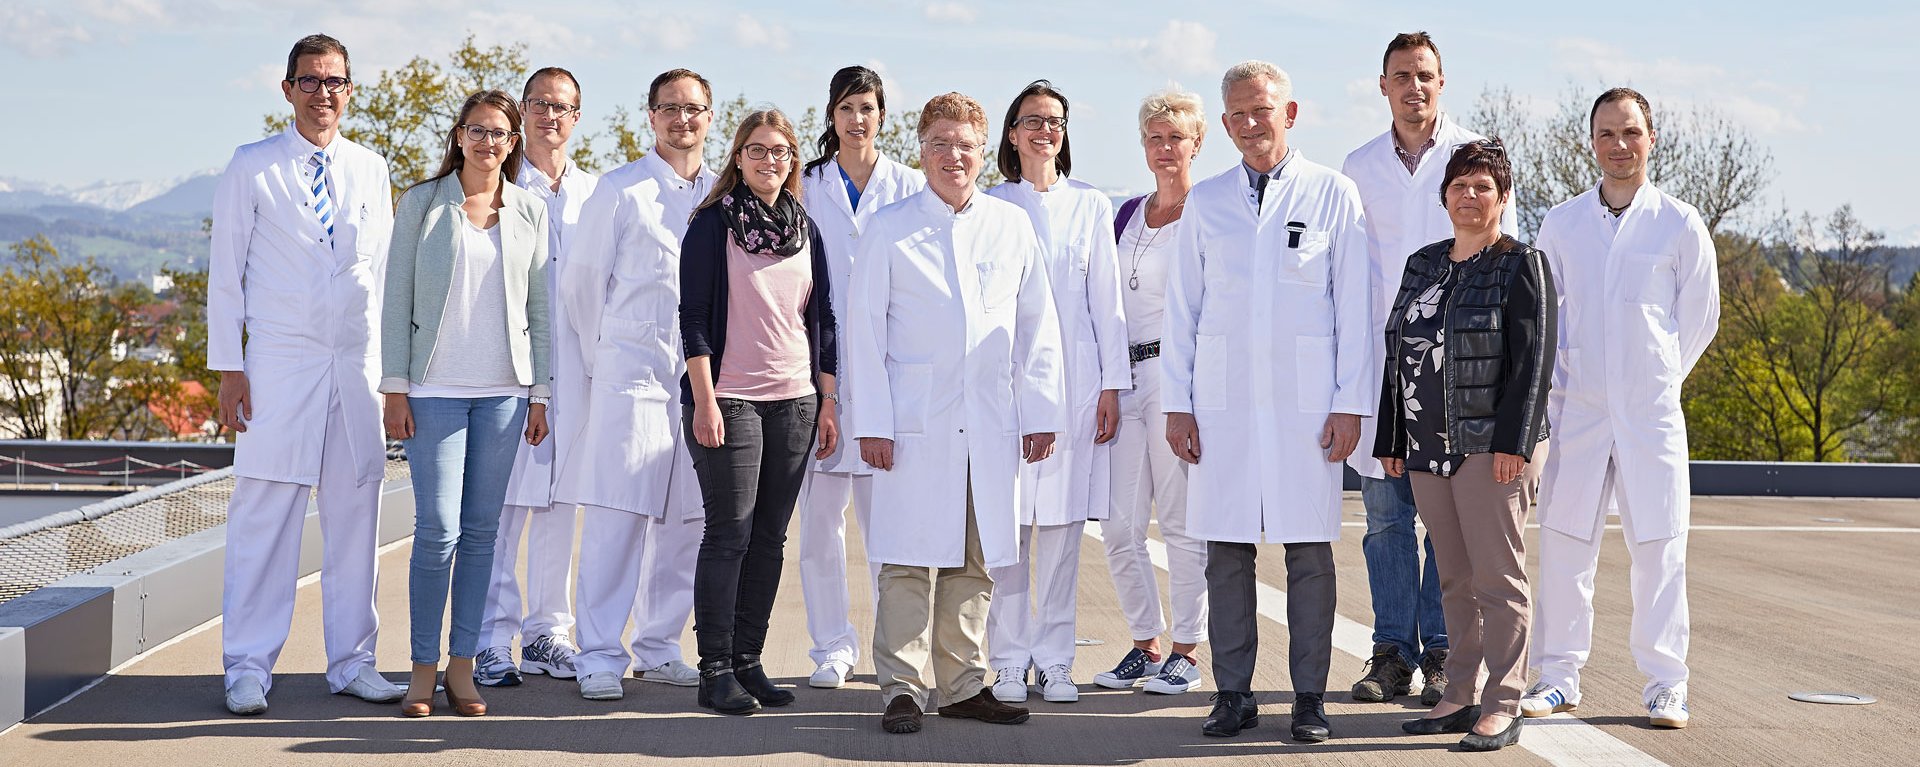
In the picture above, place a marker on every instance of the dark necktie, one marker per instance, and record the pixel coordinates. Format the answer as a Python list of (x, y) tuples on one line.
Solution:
[(1260, 190)]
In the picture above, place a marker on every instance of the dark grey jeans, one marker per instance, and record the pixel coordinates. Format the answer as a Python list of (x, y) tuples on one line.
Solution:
[(1233, 622), (749, 485)]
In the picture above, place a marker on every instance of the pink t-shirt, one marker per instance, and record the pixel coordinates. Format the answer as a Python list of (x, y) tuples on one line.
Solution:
[(767, 357)]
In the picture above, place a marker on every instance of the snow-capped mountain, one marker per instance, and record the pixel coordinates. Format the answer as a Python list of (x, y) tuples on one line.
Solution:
[(25, 195)]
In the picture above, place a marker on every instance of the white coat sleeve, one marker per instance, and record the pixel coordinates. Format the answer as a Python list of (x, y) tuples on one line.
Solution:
[(1104, 303), (1355, 391), (864, 338), (1548, 241), (586, 268), (1186, 294), (233, 212), (1697, 307), (1040, 404)]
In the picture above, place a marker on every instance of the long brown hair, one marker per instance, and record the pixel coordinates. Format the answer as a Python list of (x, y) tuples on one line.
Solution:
[(729, 178), (455, 159)]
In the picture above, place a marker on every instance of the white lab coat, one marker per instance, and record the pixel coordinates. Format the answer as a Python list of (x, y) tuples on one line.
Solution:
[(1263, 341), (824, 195), (307, 306), (1404, 214), (952, 311), (620, 289), (1074, 223), (1638, 305), (531, 484)]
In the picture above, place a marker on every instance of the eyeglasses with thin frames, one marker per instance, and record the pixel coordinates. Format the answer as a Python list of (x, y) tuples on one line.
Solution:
[(689, 111), (1036, 122), (482, 133), (549, 108), (762, 152), (942, 147), (311, 84)]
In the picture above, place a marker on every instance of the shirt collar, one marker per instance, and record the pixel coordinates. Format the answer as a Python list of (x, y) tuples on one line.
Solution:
[(536, 180), (307, 148), (1253, 176)]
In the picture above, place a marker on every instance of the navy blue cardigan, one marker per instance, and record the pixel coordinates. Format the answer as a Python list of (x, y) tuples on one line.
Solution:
[(703, 297)]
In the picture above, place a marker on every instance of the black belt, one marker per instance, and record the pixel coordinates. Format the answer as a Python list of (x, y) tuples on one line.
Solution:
[(1138, 353)]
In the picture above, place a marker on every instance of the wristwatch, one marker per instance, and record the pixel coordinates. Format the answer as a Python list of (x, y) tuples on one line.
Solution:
[(834, 396), (536, 400)]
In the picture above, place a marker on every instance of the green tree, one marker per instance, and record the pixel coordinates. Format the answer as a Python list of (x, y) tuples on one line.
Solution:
[(74, 357)]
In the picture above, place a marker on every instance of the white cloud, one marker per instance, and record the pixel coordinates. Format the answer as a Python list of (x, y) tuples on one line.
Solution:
[(954, 12), (666, 33), (1760, 105), (1182, 47), (124, 11), (37, 34), (751, 33), (539, 33)]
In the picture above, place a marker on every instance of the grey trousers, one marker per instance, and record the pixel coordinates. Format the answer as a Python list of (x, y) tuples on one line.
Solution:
[(1234, 622)]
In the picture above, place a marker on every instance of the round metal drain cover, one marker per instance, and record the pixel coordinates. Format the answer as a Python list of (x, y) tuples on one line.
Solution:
[(1834, 698)]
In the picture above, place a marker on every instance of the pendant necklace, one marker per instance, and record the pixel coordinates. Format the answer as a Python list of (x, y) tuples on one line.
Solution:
[(1140, 248)]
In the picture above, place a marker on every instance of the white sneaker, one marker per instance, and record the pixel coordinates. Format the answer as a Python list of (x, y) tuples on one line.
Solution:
[(1010, 685), (672, 672), (1056, 685), (830, 675), (247, 697), (1543, 699), (1176, 676), (1668, 709), (370, 686), (601, 685)]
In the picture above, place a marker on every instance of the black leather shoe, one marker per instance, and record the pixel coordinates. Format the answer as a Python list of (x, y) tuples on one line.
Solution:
[(1476, 742), (983, 707), (902, 716), (753, 678), (1458, 721), (721, 692), (1309, 718), (1232, 712)]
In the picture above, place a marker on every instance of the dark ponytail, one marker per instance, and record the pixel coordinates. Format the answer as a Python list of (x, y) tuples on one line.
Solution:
[(846, 83)]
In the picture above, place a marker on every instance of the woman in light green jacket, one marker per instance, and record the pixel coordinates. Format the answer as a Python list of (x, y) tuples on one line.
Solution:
[(464, 348)]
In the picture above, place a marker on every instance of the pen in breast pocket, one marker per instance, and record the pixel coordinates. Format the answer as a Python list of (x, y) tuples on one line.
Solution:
[(1294, 229)]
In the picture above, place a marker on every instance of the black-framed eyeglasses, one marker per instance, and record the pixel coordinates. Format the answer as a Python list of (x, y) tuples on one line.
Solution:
[(311, 84), (691, 111), (1036, 122), (550, 108), (480, 133), (762, 152)]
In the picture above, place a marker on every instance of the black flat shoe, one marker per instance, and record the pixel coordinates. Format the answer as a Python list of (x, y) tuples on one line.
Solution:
[(1310, 718), (1458, 721), (1232, 712), (1507, 737)]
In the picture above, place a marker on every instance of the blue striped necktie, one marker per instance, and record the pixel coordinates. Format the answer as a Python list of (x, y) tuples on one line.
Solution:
[(322, 196)]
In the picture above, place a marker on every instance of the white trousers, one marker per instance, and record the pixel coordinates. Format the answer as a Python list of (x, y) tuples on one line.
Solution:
[(611, 546), (1148, 480), (1017, 636), (264, 523), (823, 561), (1563, 602), (665, 602), (548, 608)]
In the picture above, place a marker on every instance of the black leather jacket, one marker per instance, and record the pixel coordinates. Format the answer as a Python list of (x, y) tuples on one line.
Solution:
[(1500, 320)]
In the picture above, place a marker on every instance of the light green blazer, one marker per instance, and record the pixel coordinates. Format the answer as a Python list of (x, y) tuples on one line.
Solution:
[(426, 229)]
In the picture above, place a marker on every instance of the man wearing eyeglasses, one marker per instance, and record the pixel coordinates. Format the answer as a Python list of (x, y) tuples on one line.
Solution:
[(550, 105), (1265, 382), (300, 228), (1399, 175), (620, 292), (952, 319)]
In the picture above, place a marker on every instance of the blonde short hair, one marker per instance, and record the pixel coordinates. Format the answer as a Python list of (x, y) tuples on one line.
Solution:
[(1181, 108), (957, 107), (1248, 70)]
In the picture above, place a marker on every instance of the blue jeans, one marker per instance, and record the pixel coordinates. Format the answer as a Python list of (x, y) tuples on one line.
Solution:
[(461, 454), (1406, 596)]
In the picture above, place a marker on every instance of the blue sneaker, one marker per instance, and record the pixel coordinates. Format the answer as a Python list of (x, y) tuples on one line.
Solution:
[(1133, 669), (549, 655), (494, 668), (1176, 676), (1543, 699)]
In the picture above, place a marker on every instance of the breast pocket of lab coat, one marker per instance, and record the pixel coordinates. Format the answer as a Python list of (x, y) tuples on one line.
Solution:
[(1310, 263), (1649, 279), (999, 285)]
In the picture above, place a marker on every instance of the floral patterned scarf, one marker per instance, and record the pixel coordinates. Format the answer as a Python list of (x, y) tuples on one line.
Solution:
[(768, 230)]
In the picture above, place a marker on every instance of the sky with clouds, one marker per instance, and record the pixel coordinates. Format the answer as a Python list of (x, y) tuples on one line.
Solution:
[(153, 89)]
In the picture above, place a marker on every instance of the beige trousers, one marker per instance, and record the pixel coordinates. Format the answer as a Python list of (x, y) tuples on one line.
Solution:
[(936, 615), (1478, 530)]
